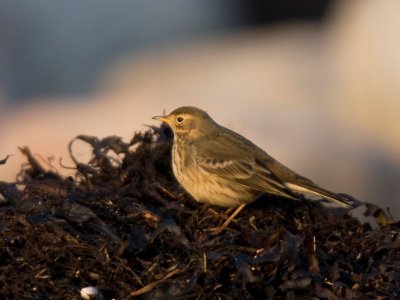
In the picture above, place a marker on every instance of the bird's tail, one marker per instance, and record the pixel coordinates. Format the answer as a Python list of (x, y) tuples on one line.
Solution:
[(313, 189)]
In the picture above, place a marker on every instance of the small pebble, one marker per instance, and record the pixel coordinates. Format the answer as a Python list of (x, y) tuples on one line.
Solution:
[(91, 293)]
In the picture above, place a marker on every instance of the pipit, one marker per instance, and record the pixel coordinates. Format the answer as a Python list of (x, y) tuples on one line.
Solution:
[(220, 167)]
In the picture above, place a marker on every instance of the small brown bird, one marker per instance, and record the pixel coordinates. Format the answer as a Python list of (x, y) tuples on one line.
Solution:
[(220, 167)]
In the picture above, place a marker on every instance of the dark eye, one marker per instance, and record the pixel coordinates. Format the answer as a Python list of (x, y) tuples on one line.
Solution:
[(179, 119)]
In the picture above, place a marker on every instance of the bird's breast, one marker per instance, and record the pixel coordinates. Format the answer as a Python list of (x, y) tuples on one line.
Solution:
[(206, 187)]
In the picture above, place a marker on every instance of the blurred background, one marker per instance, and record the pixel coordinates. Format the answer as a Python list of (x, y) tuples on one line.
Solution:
[(313, 82)]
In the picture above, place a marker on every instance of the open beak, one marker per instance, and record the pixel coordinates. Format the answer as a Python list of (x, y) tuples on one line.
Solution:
[(161, 118)]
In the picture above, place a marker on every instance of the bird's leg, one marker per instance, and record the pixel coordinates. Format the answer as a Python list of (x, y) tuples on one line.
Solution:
[(219, 229)]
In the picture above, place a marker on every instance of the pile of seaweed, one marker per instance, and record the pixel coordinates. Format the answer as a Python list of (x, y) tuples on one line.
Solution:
[(123, 227)]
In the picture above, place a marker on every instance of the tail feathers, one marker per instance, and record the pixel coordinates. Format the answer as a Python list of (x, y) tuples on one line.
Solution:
[(316, 190)]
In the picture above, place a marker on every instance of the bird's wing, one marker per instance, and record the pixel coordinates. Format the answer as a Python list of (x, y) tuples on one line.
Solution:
[(226, 167), (231, 156), (309, 188), (226, 158)]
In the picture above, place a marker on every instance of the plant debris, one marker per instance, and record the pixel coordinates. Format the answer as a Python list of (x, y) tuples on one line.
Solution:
[(123, 228), (4, 160)]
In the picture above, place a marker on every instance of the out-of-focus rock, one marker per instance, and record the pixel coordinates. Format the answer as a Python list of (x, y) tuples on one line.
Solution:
[(364, 47)]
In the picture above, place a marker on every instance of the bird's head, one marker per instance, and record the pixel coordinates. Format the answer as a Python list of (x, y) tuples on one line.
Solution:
[(188, 120)]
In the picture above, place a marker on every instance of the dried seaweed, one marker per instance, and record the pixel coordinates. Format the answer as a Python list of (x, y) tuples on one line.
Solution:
[(123, 224), (4, 160)]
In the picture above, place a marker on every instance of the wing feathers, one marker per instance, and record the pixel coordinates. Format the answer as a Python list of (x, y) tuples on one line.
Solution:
[(316, 190), (252, 167), (245, 172)]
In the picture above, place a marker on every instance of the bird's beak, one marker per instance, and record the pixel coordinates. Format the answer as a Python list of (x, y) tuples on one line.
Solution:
[(161, 118)]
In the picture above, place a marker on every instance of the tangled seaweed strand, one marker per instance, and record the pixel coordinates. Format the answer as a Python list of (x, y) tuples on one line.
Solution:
[(123, 225)]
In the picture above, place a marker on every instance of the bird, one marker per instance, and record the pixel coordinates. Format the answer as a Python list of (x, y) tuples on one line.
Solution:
[(218, 166)]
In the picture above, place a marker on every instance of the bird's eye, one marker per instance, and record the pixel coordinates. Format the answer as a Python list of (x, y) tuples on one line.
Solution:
[(179, 119)]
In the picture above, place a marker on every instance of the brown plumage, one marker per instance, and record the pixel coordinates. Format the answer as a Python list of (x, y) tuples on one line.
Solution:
[(220, 167)]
